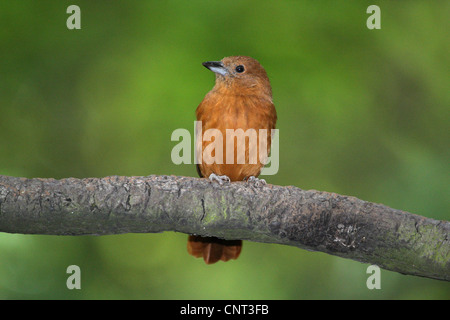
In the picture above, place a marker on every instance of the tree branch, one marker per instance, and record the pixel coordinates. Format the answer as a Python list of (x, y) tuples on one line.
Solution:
[(339, 225)]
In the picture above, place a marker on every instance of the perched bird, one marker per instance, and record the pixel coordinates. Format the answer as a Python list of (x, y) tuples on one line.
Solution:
[(240, 99)]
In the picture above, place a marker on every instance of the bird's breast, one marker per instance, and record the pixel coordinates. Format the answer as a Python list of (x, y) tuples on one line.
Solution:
[(231, 116)]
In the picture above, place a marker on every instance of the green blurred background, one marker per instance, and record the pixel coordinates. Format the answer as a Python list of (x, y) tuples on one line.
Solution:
[(361, 112)]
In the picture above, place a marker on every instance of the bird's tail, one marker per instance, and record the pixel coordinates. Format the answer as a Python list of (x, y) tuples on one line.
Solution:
[(213, 249)]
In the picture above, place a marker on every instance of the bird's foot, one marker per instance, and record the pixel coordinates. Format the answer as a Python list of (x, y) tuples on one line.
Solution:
[(219, 179), (256, 182)]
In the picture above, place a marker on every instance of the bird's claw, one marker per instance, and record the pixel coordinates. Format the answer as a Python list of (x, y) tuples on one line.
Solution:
[(256, 182), (219, 179)]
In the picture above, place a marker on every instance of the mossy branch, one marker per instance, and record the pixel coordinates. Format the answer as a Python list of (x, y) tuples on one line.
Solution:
[(339, 225)]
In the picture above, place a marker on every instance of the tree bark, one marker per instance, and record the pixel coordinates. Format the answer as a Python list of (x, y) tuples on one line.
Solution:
[(319, 221)]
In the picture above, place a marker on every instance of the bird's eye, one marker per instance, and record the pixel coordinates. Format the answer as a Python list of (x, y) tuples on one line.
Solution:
[(240, 69)]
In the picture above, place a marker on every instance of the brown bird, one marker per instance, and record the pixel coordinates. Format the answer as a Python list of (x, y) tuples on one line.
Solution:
[(240, 99)]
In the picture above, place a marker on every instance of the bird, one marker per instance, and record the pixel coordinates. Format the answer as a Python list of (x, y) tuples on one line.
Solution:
[(240, 99)]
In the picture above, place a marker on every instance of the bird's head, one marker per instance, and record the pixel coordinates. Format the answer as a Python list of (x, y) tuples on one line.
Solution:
[(241, 73)]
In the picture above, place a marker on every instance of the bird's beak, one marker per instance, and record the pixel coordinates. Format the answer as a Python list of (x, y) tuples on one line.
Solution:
[(216, 67)]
